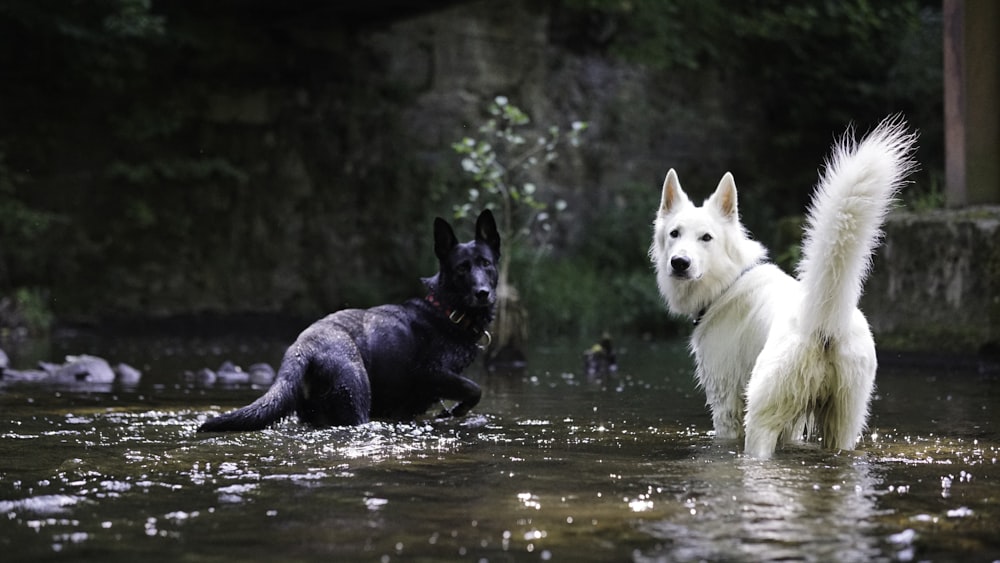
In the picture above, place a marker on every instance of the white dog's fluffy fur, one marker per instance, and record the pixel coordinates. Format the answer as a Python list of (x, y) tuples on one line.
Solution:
[(782, 358)]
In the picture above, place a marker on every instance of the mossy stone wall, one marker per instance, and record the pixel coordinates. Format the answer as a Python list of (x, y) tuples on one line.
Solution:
[(935, 287)]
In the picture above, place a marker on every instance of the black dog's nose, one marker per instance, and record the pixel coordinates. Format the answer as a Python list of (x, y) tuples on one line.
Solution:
[(680, 263), (482, 295)]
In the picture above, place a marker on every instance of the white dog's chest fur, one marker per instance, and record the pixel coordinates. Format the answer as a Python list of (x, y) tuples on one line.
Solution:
[(739, 323)]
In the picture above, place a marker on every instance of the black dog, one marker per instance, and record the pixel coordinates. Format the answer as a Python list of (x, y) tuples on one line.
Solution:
[(391, 362)]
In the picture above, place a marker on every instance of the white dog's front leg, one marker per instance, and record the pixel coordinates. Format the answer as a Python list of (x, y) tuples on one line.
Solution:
[(727, 426), (727, 414), (724, 395)]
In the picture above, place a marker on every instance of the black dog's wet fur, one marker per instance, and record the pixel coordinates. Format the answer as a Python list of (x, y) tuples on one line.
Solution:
[(391, 362)]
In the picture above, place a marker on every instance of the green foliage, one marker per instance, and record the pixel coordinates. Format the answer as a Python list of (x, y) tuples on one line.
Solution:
[(927, 197), (503, 162), (88, 67), (26, 311), (665, 34), (134, 19), (678, 34), (576, 297), (162, 158), (167, 158), (22, 227), (796, 72), (606, 281), (179, 169)]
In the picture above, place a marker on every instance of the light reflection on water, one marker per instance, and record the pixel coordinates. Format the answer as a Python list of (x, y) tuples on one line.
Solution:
[(812, 505), (551, 465)]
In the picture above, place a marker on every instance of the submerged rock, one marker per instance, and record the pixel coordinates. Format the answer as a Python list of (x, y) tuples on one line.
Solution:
[(28, 375), (231, 374), (261, 374), (81, 368), (127, 374), (204, 376)]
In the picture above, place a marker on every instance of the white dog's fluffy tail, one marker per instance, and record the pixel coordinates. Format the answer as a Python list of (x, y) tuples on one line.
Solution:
[(845, 219)]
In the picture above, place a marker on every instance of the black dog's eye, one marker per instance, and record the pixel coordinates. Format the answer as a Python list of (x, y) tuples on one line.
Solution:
[(463, 268), (706, 237), (484, 263), (675, 233)]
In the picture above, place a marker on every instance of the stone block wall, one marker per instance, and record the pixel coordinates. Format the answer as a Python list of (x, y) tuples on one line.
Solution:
[(935, 287)]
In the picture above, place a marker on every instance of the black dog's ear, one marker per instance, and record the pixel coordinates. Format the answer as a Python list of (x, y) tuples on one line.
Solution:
[(486, 231), (444, 239)]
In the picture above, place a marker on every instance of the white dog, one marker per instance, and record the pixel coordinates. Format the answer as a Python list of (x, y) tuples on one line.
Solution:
[(795, 355)]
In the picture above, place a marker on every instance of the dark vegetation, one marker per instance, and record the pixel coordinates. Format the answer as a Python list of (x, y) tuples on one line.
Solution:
[(177, 158)]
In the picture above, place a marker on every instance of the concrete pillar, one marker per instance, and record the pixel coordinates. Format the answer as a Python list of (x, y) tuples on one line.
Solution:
[(972, 102)]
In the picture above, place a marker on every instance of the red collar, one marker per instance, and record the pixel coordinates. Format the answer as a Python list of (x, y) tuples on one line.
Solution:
[(458, 317)]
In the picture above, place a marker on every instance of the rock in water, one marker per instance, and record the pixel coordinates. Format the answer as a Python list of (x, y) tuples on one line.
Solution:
[(127, 373), (84, 368), (205, 377), (261, 374), (29, 375), (230, 374)]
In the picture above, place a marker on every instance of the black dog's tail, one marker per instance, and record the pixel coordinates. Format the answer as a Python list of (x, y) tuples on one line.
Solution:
[(277, 403)]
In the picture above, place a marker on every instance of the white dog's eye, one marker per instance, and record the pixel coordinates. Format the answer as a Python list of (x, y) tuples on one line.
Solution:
[(706, 237), (675, 233)]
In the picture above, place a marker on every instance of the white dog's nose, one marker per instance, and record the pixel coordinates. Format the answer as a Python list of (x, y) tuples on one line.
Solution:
[(680, 263)]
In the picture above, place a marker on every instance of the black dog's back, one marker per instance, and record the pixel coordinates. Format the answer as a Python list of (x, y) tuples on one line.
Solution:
[(392, 361)]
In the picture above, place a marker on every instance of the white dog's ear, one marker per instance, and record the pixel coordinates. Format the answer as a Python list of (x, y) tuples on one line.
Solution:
[(724, 198), (673, 196)]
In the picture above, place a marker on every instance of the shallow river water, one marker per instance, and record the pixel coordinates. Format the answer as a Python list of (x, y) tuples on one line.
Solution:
[(550, 466)]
